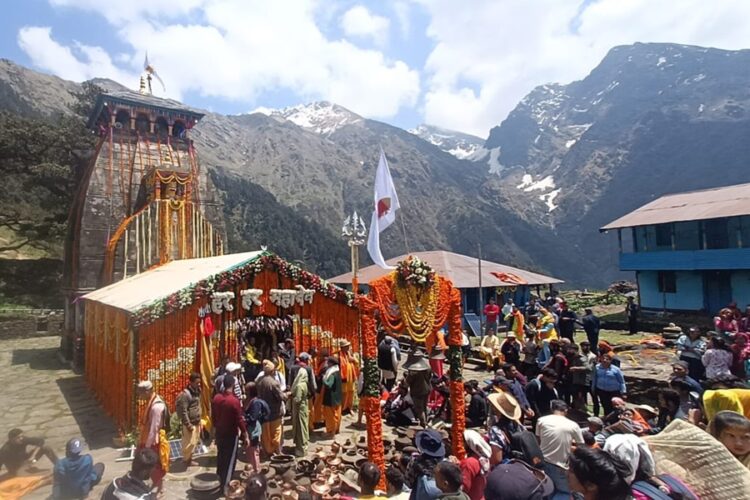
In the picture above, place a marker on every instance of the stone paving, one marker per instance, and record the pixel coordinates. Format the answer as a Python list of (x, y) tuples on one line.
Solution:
[(45, 398)]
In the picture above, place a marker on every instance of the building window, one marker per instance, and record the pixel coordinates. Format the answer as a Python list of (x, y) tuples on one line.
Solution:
[(664, 235), (667, 282)]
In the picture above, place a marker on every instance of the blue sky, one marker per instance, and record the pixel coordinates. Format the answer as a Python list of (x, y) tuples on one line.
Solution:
[(460, 65)]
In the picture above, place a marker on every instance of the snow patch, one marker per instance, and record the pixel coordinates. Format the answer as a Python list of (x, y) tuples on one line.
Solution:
[(701, 108), (322, 117), (661, 62), (263, 110), (699, 77), (495, 166), (526, 180), (541, 185), (549, 199), (536, 139), (464, 152), (462, 146), (569, 144)]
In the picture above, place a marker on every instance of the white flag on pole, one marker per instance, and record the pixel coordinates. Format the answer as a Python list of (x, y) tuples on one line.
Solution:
[(386, 204)]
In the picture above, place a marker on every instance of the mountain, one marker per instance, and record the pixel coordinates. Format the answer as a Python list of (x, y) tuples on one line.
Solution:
[(321, 117), (650, 119), (462, 146)]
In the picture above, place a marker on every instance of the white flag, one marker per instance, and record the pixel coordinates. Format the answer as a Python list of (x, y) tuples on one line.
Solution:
[(386, 204)]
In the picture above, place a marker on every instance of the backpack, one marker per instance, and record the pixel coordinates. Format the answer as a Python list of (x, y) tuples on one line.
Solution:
[(525, 447), (643, 490)]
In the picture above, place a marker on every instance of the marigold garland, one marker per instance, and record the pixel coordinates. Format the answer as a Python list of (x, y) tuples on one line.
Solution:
[(418, 307)]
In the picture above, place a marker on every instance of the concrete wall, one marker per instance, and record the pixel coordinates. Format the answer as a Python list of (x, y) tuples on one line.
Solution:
[(689, 295), (741, 288)]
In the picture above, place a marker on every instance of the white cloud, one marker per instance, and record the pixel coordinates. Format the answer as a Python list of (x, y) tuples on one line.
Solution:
[(486, 58), (358, 21), (241, 49), (90, 62)]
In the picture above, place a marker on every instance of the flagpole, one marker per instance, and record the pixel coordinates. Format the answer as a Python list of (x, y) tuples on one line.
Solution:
[(481, 290), (403, 230)]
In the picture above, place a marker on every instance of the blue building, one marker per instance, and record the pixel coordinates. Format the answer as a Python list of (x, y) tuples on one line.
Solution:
[(690, 251)]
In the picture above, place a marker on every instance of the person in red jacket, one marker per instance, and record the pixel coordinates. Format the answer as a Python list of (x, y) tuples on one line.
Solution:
[(491, 312), (229, 424)]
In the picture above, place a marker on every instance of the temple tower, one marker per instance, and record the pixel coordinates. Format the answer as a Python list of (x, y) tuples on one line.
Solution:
[(142, 201)]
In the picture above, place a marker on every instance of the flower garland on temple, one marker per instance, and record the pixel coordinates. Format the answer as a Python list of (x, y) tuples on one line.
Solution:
[(416, 300), (228, 279)]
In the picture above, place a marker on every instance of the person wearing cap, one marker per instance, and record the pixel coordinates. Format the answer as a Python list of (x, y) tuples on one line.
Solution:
[(153, 433), (269, 390), (133, 486), (516, 480), (557, 434), (332, 396), (418, 378), (75, 474), (476, 465), (230, 428), (511, 349), (349, 370), (420, 473), (233, 369), (188, 409), (304, 362), (690, 349), (15, 456)]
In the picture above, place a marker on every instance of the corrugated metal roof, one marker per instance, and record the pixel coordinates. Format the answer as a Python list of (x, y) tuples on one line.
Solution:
[(462, 270), (713, 203), (132, 293)]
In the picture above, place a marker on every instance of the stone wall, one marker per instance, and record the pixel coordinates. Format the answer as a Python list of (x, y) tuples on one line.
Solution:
[(25, 323)]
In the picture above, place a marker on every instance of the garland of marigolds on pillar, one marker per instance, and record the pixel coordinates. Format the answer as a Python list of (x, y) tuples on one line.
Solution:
[(445, 309)]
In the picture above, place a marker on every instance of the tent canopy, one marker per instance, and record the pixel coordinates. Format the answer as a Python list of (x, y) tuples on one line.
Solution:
[(132, 293), (462, 270)]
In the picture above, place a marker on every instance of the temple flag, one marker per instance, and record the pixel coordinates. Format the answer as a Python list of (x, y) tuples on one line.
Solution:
[(386, 204)]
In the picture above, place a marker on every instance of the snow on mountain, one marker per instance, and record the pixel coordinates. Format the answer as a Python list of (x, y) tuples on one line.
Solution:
[(321, 117), (462, 146)]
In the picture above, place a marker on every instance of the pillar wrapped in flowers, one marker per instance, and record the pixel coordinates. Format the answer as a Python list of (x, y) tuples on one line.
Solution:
[(425, 302)]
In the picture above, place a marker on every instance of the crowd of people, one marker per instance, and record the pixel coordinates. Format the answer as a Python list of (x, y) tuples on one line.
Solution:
[(553, 420)]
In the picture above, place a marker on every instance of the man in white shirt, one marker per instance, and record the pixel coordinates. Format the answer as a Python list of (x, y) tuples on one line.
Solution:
[(557, 434)]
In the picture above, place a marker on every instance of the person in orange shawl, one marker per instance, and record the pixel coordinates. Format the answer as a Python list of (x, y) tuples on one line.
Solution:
[(153, 432), (516, 317), (349, 369)]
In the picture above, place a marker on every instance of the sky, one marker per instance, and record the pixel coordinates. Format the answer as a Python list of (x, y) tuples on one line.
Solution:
[(461, 65)]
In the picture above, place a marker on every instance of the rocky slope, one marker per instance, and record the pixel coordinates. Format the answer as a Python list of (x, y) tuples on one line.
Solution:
[(460, 145), (650, 119)]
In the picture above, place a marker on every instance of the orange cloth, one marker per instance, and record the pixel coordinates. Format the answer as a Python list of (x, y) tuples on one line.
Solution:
[(16, 488), (638, 418), (270, 438), (332, 417), (349, 375)]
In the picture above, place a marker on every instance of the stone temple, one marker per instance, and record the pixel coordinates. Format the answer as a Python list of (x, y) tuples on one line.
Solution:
[(142, 201)]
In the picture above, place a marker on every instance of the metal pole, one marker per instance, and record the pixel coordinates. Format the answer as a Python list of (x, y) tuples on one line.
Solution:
[(481, 290)]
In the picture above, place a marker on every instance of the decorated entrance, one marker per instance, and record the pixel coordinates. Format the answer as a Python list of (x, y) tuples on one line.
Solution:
[(414, 300)]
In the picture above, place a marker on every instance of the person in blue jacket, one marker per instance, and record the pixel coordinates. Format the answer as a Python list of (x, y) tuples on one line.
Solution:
[(75, 474)]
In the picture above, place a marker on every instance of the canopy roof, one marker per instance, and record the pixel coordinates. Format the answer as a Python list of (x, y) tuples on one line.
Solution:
[(462, 270), (729, 201), (142, 289)]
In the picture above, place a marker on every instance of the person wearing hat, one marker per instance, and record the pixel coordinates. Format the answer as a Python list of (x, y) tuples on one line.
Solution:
[(269, 390), (511, 349), (418, 378), (504, 423), (516, 480), (476, 465), (153, 433), (690, 349), (233, 369), (332, 396), (349, 369), (420, 473), (557, 434), (75, 474)]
